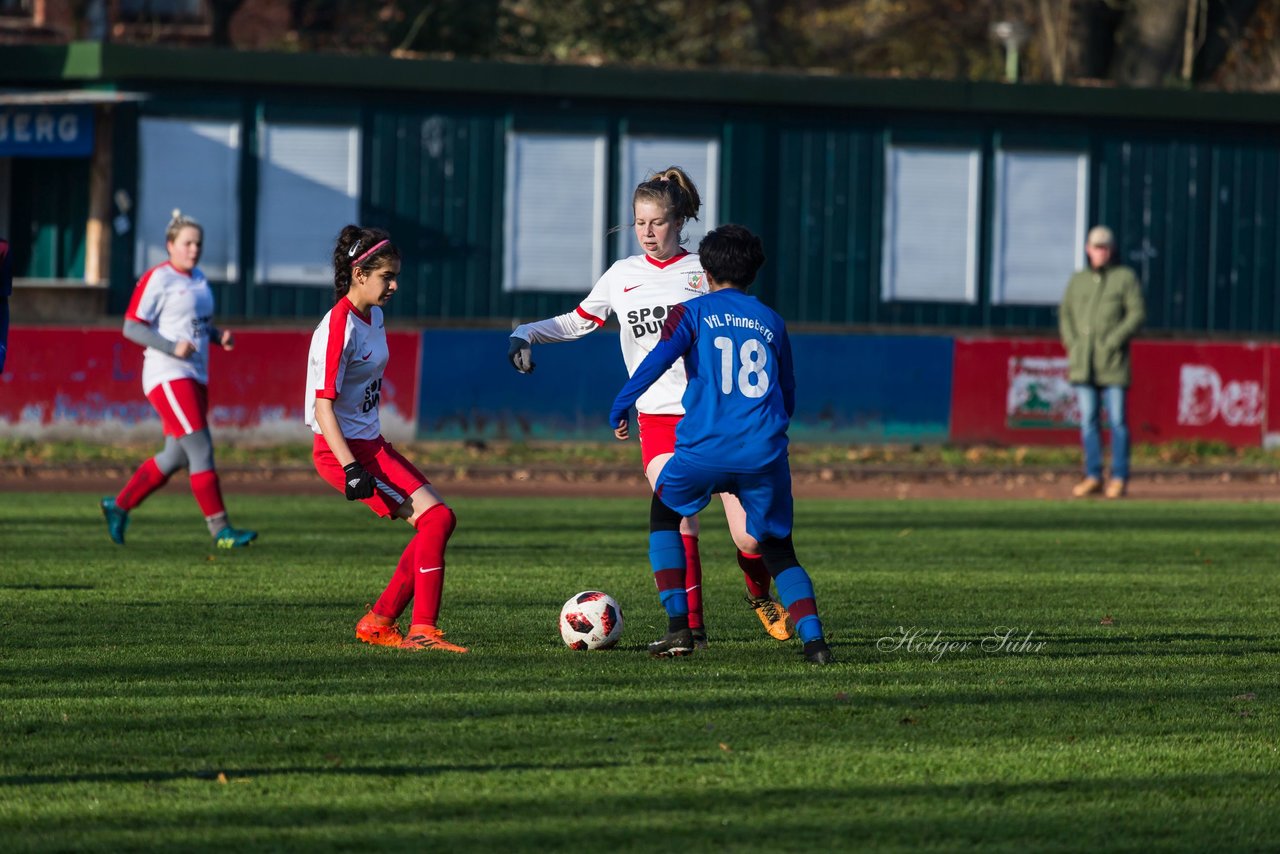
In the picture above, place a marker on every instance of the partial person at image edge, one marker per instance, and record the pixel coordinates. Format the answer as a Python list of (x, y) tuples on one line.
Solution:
[(6, 290)]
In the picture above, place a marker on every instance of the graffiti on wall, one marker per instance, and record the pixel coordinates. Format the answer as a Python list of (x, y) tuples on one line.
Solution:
[(1040, 395), (69, 383), (1204, 397)]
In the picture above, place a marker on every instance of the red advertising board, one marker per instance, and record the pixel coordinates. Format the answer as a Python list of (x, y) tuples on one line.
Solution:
[(86, 383), (1015, 391), (62, 381), (1187, 391), (1271, 369), (1011, 391)]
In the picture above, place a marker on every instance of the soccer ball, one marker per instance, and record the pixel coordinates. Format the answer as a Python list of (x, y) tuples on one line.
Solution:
[(590, 620)]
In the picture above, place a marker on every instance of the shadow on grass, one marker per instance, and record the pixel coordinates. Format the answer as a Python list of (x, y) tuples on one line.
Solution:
[(1192, 812), (48, 587), (331, 770)]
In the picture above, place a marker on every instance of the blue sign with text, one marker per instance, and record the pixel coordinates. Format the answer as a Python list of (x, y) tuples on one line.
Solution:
[(46, 131)]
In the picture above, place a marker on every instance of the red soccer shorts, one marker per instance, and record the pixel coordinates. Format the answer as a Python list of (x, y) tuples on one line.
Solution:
[(397, 477), (657, 436), (183, 406)]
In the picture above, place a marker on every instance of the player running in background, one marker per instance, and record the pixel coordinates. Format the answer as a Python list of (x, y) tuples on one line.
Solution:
[(642, 290), (733, 437), (171, 315), (344, 381)]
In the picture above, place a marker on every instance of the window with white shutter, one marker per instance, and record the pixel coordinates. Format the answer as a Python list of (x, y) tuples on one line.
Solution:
[(1041, 208), (308, 189), (644, 155), (192, 165), (931, 223), (554, 225)]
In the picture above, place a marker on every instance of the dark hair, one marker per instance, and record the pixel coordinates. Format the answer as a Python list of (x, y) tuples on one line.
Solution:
[(673, 190), (353, 246), (731, 255)]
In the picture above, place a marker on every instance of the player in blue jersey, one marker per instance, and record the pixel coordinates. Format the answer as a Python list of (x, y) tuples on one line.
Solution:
[(733, 437)]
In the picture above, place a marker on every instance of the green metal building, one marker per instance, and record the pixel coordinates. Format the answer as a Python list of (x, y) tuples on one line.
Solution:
[(883, 204)]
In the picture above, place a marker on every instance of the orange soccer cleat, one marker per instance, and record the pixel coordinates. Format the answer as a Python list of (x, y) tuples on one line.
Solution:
[(379, 634), (429, 637), (772, 616)]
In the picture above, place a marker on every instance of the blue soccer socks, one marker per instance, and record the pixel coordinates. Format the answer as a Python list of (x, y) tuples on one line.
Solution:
[(795, 589), (666, 556)]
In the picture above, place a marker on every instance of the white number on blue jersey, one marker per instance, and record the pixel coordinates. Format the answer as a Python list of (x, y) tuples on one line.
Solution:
[(753, 382)]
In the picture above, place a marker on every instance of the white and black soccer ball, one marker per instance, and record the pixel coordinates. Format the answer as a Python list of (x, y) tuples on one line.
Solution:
[(590, 620)]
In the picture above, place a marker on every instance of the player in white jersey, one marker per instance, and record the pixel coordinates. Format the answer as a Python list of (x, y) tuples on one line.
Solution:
[(171, 315), (641, 290), (344, 388)]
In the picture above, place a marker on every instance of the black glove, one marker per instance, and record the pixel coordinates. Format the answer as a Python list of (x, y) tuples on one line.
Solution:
[(520, 354), (359, 482)]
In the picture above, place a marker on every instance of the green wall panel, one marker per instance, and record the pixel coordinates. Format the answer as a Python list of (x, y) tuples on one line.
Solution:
[(1195, 204), (432, 184), (1197, 219)]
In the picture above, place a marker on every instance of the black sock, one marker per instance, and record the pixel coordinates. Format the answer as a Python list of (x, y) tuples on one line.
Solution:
[(677, 624)]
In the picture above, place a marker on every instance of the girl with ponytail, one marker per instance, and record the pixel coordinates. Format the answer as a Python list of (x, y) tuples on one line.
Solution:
[(643, 290), (171, 316), (344, 390)]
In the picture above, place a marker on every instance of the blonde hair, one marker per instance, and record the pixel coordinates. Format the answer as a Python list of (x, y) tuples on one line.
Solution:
[(673, 190), (179, 221)]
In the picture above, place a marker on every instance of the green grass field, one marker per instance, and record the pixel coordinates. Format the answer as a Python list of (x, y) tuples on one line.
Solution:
[(165, 695)]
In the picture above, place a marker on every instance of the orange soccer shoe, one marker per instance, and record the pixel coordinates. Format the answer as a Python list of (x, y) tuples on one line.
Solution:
[(429, 637), (772, 616), (378, 634)]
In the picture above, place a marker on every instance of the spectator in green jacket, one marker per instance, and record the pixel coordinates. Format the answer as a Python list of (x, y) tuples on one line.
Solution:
[(1100, 313)]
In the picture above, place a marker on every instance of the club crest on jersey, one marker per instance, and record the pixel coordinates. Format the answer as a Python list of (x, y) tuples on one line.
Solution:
[(696, 281)]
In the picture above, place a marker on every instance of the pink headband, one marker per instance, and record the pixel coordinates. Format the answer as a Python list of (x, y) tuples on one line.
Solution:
[(372, 249)]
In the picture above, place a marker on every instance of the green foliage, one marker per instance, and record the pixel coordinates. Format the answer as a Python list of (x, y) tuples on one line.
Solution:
[(1139, 42), (663, 32), (167, 696)]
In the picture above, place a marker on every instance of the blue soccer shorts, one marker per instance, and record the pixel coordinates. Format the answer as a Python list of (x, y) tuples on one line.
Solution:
[(765, 495)]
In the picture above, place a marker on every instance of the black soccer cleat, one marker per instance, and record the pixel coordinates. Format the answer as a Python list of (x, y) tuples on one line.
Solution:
[(817, 652), (699, 638), (678, 642)]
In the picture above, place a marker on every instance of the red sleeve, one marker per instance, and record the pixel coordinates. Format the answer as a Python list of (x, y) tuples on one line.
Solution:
[(131, 313), (586, 315), (333, 349)]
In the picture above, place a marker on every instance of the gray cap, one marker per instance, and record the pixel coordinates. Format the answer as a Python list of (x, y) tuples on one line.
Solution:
[(1100, 235)]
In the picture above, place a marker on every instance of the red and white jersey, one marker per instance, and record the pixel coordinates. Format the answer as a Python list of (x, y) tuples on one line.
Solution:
[(178, 306), (641, 291), (345, 364)]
